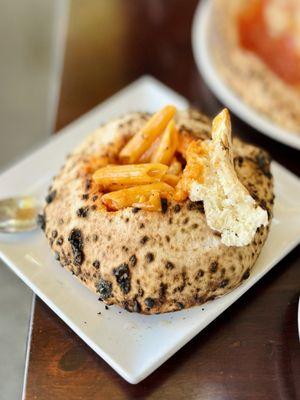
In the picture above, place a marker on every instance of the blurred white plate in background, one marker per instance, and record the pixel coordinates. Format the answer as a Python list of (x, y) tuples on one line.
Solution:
[(133, 344), (200, 42)]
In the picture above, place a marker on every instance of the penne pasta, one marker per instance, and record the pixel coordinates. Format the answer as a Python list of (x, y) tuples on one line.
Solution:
[(146, 157), (175, 167), (184, 140), (192, 171), (129, 175), (167, 146), (152, 204), (140, 142), (171, 180), (180, 195), (135, 195)]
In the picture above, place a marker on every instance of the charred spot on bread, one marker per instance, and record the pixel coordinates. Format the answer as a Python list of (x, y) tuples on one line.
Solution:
[(122, 276), (82, 211), (263, 163), (133, 260), (41, 221), (246, 275), (179, 305), (104, 288), (144, 240), (177, 208), (170, 265), (149, 302), (224, 283), (60, 241), (50, 196), (76, 240), (149, 257), (164, 205), (136, 306), (96, 264), (213, 267)]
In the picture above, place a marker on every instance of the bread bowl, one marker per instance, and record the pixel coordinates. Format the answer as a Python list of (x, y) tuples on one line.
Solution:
[(151, 261)]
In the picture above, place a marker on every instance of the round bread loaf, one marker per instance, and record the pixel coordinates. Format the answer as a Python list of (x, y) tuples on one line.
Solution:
[(149, 262)]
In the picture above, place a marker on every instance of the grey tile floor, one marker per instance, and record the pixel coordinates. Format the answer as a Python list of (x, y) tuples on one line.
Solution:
[(31, 47)]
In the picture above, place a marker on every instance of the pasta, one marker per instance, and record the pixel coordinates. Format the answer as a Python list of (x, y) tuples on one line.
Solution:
[(137, 195), (146, 157), (170, 179), (167, 146), (185, 139), (175, 167), (192, 171), (140, 142), (130, 175)]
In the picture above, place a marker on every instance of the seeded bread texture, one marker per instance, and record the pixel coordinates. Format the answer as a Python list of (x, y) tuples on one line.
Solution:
[(150, 262)]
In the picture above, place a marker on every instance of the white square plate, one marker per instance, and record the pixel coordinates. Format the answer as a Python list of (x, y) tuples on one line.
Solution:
[(134, 345)]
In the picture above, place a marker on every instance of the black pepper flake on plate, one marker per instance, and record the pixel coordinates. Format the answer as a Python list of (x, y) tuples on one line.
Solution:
[(41, 221), (123, 277), (149, 302), (57, 256), (85, 196), (106, 307), (104, 288), (149, 257), (135, 210), (82, 212), (50, 196), (164, 205)]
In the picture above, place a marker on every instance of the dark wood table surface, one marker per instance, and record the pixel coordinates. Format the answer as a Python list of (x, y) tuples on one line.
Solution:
[(252, 350)]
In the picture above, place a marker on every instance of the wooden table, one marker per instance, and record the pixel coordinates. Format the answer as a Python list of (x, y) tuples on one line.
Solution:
[(251, 351)]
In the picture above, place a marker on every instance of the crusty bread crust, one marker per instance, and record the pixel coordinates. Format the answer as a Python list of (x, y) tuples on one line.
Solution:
[(150, 262)]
